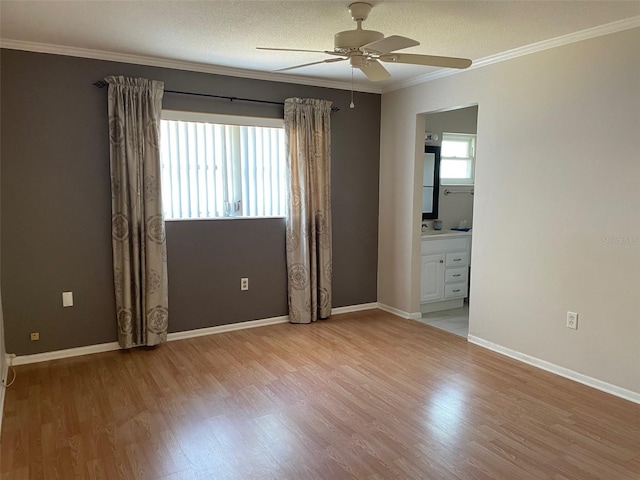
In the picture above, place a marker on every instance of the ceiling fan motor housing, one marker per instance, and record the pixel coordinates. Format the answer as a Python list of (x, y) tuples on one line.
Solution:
[(354, 39), (350, 40)]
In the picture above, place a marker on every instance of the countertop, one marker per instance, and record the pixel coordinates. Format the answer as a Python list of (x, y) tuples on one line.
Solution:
[(445, 234)]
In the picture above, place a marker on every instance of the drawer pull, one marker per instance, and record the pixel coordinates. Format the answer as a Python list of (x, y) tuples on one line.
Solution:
[(456, 291), (457, 259), (441, 261), (456, 275)]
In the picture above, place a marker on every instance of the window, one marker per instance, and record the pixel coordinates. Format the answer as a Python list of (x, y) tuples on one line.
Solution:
[(457, 159), (221, 166)]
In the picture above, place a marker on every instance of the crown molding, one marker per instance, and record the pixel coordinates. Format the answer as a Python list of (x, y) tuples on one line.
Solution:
[(182, 65), (613, 27), (606, 29)]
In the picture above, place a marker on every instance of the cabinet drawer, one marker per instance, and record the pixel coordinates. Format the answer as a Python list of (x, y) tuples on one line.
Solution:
[(456, 275), (457, 259), (455, 290)]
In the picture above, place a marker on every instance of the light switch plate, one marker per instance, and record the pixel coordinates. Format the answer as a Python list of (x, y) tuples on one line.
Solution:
[(67, 299)]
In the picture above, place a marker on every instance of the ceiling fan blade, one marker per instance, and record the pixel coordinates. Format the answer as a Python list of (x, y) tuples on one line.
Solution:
[(327, 52), (374, 71), (390, 44), (429, 60), (328, 60)]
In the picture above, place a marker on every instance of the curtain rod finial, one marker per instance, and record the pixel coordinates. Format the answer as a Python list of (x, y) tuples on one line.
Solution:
[(101, 84)]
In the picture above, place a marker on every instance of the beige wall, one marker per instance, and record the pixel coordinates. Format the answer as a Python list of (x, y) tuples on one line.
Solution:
[(556, 207)]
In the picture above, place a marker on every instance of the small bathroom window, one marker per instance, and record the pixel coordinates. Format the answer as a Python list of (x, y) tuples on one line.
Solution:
[(457, 159)]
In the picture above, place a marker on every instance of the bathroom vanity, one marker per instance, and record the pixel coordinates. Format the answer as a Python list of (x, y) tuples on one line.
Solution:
[(445, 258)]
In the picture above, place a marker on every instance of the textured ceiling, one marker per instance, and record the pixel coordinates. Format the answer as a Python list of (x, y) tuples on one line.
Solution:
[(225, 33)]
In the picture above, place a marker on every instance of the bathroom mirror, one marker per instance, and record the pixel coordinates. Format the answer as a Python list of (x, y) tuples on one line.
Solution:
[(430, 182)]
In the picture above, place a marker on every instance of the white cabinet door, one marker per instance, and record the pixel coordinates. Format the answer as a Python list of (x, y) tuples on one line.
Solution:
[(432, 284)]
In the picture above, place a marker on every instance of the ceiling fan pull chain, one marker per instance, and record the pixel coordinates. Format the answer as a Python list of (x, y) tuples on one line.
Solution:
[(352, 105)]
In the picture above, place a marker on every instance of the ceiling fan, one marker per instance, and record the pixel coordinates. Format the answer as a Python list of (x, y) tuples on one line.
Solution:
[(365, 49)]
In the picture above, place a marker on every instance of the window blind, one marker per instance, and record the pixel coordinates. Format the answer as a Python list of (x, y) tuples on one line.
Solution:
[(218, 170)]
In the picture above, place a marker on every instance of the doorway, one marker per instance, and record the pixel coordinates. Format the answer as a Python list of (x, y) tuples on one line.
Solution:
[(446, 234)]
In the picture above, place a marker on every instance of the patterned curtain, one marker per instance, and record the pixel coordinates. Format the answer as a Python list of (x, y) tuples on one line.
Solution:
[(138, 234), (308, 144)]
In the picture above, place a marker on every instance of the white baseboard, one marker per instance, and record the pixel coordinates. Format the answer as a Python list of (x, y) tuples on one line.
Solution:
[(440, 306), (354, 308), (106, 347), (558, 370), (2, 390), (67, 353), (400, 313), (200, 332), (5, 371), (4, 376), (258, 323)]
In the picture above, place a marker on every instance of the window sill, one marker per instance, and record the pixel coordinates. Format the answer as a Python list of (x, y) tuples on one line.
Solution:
[(220, 218)]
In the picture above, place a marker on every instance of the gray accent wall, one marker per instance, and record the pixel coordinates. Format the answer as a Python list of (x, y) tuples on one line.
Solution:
[(56, 220)]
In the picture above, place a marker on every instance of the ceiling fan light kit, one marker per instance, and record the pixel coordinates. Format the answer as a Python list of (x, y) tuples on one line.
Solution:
[(366, 48)]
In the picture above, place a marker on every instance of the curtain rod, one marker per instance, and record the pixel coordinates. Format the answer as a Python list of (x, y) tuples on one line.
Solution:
[(103, 84)]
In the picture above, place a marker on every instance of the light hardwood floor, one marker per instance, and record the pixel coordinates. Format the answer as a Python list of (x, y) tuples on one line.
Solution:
[(364, 395)]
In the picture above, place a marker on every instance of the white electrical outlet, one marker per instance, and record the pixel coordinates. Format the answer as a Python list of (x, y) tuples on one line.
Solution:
[(244, 284), (572, 320)]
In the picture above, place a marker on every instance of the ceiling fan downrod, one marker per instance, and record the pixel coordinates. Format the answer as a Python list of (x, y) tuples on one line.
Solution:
[(351, 40)]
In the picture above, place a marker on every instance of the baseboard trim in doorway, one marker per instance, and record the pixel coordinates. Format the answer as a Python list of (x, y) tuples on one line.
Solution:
[(558, 370), (400, 313)]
